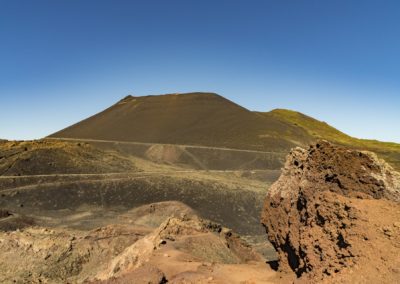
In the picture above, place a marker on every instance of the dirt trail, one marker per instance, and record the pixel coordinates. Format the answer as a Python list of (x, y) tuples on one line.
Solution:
[(130, 174), (178, 145)]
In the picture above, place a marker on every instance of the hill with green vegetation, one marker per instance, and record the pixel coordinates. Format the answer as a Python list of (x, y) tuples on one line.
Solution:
[(207, 119), (321, 130)]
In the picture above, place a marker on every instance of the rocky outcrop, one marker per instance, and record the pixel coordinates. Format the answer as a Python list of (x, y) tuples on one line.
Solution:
[(201, 238), (316, 216), (183, 248)]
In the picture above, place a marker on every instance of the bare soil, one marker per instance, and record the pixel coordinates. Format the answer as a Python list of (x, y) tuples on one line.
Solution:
[(181, 249)]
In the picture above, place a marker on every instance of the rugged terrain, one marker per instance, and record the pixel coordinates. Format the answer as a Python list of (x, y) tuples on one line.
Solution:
[(69, 209), (146, 190), (50, 180), (333, 216), (157, 243)]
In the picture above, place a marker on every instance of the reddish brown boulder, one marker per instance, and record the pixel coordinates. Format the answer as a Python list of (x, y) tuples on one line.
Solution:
[(315, 215)]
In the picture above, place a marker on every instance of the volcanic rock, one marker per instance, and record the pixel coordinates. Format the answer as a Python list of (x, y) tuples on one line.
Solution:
[(323, 213)]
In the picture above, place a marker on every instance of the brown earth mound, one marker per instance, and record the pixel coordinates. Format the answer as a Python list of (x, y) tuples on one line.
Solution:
[(333, 216), (58, 157)]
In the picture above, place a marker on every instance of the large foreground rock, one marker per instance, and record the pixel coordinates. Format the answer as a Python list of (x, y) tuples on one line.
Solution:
[(332, 216)]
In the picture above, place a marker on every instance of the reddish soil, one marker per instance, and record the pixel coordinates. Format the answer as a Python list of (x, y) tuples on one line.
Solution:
[(333, 217)]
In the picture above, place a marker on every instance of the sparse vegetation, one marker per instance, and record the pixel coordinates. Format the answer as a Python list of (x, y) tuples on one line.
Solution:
[(321, 130)]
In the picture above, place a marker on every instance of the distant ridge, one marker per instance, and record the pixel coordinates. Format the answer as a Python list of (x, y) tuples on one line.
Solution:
[(208, 119)]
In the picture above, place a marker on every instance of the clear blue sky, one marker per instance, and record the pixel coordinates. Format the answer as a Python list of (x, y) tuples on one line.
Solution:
[(338, 61)]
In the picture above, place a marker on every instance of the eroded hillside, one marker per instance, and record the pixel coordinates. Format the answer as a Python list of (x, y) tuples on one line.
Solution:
[(157, 243), (58, 157)]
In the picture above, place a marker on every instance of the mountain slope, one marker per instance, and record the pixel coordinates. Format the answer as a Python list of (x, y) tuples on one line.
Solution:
[(315, 128), (203, 119), (321, 130)]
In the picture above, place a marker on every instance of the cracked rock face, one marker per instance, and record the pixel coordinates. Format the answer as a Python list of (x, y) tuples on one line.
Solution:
[(312, 214)]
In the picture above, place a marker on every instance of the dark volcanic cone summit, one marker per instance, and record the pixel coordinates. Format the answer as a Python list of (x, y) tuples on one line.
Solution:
[(205, 119)]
